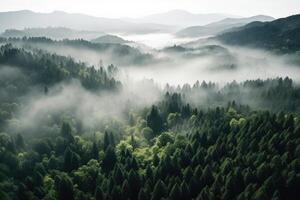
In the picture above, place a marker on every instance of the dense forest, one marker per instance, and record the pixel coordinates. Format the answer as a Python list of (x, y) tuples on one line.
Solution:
[(223, 153), (202, 141)]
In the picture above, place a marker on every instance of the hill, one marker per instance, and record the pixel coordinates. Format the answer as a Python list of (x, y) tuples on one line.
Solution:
[(85, 51), (282, 35), (220, 26), (112, 39), (39, 68)]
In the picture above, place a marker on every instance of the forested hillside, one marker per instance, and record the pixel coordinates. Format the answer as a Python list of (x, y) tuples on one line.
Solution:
[(84, 50), (23, 72), (220, 27), (281, 35), (41, 68)]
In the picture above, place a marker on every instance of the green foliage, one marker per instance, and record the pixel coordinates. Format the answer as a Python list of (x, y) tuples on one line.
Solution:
[(172, 150), (173, 119), (235, 158), (147, 133), (164, 138)]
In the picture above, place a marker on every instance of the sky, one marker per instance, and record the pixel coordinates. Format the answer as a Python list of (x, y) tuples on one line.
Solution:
[(139, 8)]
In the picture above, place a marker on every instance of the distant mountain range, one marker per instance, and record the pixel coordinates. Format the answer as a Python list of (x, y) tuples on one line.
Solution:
[(59, 33), (181, 18), (171, 21), (51, 32), (28, 19), (282, 35), (220, 26)]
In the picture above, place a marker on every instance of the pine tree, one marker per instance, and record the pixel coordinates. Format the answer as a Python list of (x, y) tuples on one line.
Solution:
[(109, 159), (175, 193), (154, 120), (64, 187), (159, 191), (94, 151), (66, 132)]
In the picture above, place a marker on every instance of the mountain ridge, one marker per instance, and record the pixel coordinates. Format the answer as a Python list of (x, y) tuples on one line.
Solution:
[(220, 26), (282, 35), (30, 19)]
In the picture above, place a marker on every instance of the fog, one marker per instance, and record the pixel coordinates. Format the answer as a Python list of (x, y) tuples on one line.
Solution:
[(142, 85), (70, 99), (200, 60), (219, 66), (157, 40), (92, 54)]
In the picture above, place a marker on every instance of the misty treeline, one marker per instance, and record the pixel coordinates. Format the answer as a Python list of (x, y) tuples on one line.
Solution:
[(125, 54), (278, 94), (201, 141)]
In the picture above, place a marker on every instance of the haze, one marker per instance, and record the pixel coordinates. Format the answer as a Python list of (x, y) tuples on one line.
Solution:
[(139, 8)]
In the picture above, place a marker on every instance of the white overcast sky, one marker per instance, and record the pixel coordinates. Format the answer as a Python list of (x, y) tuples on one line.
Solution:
[(138, 8)]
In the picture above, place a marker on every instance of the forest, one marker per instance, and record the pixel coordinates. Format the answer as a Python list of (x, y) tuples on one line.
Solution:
[(104, 100), (200, 141)]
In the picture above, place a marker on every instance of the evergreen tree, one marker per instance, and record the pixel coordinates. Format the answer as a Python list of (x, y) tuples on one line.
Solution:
[(159, 191), (154, 120), (109, 159)]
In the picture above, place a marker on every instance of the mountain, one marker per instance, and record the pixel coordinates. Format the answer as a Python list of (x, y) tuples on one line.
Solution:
[(282, 35), (28, 19), (51, 32), (181, 18), (112, 39), (220, 26)]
